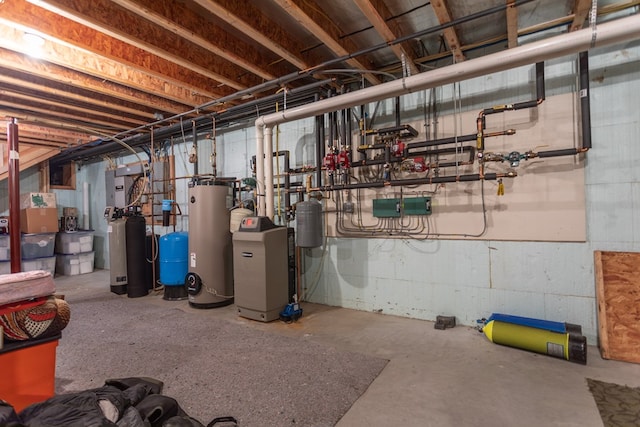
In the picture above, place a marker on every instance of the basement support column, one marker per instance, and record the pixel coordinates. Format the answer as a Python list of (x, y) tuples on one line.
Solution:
[(14, 195)]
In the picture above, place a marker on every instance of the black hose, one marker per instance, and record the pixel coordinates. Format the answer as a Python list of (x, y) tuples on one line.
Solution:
[(585, 104)]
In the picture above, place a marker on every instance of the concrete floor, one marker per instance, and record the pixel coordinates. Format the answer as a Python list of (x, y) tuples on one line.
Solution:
[(452, 377)]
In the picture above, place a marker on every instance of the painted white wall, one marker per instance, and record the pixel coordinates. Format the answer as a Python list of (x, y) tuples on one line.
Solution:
[(471, 280)]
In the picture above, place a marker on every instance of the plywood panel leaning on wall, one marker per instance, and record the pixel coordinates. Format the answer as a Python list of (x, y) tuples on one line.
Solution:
[(618, 293)]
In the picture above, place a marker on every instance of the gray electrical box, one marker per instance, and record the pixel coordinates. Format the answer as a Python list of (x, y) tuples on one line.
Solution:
[(260, 269), (117, 189)]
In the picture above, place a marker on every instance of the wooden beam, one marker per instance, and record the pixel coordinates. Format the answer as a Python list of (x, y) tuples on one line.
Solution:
[(28, 17), (29, 139), (512, 24), (107, 18), (581, 9), (23, 101), (97, 100), (31, 66), (53, 133), (444, 16), (9, 103), (30, 156), (377, 14), (248, 19), (45, 122), (224, 46), (325, 31)]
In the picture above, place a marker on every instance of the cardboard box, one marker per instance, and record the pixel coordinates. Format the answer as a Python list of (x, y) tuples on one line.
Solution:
[(37, 200), (39, 220)]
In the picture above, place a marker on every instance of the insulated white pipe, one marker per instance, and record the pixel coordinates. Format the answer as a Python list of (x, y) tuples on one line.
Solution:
[(260, 205), (268, 170), (617, 31), (620, 30), (85, 206)]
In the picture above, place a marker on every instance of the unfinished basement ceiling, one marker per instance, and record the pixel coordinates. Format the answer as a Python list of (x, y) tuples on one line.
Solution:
[(115, 67)]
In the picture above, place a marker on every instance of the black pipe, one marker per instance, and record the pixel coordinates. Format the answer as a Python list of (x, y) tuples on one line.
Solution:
[(442, 141), (540, 84), (287, 179), (558, 153), (195, 146), (397, 112), (419, 34), (415, 181), (363, 128), (540, 95), (319, 147), (343, 126), (104, 146), (585, 104), (467, 148), (112, 146)]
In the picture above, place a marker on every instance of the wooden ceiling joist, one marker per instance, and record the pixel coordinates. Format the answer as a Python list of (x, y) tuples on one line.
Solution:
[(247, 18), (444, 17), (325, 31), (31, 66), (65, 94), (60, 109), (100, 67), (29, 156), (581, 10), (377, 13), (512, 24), (52, 133), (26, 16), (224, 47), (118, 23)]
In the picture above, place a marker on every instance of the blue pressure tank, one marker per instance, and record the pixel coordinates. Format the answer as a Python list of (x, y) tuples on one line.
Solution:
[(174, 257)]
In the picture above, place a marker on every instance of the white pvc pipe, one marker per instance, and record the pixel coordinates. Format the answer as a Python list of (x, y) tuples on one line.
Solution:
[(85, 206), (617, 31), (260, 205), (268, 170)]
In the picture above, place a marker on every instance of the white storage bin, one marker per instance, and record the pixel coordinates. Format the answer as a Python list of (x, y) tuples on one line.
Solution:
[(75, 242), (5, 252), (73, 264), (46, 264)]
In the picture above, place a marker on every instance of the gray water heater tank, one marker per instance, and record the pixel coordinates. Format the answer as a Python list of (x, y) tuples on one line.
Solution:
[(209, 280), (309, 224)]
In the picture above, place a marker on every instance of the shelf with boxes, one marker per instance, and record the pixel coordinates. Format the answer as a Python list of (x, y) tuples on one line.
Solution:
[(36, 249), (74, 252)]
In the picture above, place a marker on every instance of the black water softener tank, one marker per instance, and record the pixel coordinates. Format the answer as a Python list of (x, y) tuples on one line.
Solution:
[(136, 229)]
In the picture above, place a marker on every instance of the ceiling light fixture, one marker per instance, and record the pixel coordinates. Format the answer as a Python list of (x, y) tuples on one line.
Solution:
[(33, 45)]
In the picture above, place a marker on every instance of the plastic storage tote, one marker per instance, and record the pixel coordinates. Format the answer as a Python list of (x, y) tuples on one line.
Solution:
[(74, 243), (37, 245), (5, 249), (46, 264), (73, 264)]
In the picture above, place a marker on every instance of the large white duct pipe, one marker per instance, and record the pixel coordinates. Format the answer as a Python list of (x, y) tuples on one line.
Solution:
[(268, 170), (260, 205), (617, 31)]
